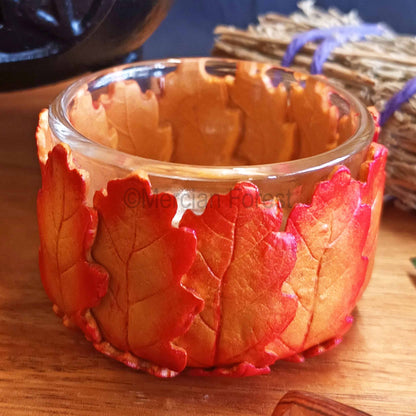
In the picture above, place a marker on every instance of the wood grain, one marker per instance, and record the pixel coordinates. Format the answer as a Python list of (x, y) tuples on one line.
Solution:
[(48, 369)]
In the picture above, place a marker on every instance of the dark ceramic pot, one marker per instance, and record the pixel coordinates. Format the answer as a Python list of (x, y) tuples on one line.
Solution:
[(42, 41)]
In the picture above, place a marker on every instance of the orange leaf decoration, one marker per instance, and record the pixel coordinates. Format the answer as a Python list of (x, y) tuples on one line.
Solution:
[(316, 118), (347, 126), (226, 293), (330, 268), (373, 176), (268, 137), (376, 117), (205, 127), (67, 230), (239, 370), (44, 140), (135, 117), (241, 264), (91, 121), (146, 306)]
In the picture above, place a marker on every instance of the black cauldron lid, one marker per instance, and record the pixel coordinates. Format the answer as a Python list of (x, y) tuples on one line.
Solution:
[(43, 41)]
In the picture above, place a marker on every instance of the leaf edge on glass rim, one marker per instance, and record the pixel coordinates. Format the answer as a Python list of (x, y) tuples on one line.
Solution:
[(267, 135), (89, 277), (143, 136), (90, 119), (375, 114), (373, 177), (197, 105), (43, 138)]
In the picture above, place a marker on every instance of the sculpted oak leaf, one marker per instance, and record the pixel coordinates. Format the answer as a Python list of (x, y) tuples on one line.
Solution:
[(146, 306), (330, 268), (347, 126), (135, 117), (239, 370), (67, 228), (373, 177), (376, 117), (205, 127), (44, 140), (315, 116), (242, 261), (268, 137), (91, 121)]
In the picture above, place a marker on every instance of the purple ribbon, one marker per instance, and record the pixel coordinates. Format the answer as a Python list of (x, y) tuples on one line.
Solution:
[(397, 100), (331, 38)]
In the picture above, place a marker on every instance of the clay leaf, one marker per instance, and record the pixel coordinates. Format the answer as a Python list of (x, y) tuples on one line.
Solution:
[(90, 120), (146, 306), (347, 126), (315, 116), (373, 177), (331, 267), (376, 117), (67, 229), (268, 137), (242, 261), (135, 117), (239, 370), (205, 127)]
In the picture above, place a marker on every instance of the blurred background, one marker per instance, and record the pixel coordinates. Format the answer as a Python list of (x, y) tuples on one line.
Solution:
[(43, 41), (187, 30)]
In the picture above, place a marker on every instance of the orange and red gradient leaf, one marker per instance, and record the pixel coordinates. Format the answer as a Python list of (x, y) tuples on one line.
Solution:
[(147, 306)]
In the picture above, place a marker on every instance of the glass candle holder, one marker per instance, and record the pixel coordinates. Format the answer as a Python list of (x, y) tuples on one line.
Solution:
[(207, 215)]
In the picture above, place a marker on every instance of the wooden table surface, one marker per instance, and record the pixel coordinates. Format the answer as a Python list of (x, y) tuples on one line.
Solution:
[(48, 369)]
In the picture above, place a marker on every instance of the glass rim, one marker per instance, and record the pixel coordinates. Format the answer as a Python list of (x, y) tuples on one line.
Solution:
[(65, 132)]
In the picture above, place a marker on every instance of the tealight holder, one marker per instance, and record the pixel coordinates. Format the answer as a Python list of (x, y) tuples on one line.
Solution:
[(208, 215)]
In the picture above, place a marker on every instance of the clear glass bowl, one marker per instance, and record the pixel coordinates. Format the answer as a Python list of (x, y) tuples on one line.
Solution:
[(249, 284), (292, 181)]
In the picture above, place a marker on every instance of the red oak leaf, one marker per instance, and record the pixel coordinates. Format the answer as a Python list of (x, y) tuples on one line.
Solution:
[(321, 348), (238, 370), (373, 176), (44, 140), (330, 268), (315, 116), (90, 119), (376, 117), (241, 264), (146, 306), (135, 117), (132, 361), (347, 126), (67, 230), (267, 137), (205, 127)]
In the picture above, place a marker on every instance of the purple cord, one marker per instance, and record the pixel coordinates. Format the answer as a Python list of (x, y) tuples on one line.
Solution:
[(336, 36), (299, 41), (323, 51), (397, 100), (331, 38)]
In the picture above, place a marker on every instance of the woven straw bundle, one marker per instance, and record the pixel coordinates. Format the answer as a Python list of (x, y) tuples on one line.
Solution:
[(374, 69)]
